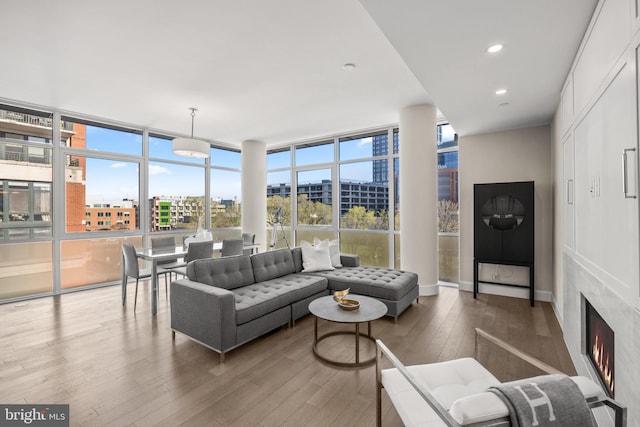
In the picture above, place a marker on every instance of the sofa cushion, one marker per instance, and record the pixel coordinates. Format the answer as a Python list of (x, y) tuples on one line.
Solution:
[(227, 273), (315, 257), (376, 282), (271, 265), (334, 250), (296, 253), (264, 297)]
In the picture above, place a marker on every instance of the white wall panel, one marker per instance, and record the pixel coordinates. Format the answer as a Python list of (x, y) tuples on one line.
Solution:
[(567, 106), (568, 200), (607, 222), (607, 41)]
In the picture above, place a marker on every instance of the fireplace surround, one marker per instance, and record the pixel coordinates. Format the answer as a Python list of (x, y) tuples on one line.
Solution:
[(580, 285)]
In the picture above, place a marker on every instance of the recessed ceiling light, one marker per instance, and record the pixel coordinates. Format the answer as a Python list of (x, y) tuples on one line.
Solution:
[(495, 48), (501, 91), (349, 66)]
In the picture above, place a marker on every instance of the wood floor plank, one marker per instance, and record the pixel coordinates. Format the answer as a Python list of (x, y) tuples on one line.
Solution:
[(115, 367)]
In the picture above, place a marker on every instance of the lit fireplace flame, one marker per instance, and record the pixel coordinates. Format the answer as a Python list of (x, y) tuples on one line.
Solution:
[(602, 362)]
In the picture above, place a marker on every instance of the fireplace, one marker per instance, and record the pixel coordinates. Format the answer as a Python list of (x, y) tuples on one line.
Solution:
[(600, 348)]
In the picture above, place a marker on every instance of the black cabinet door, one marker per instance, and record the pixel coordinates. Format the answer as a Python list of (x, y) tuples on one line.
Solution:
[(504, 221), (487, 243)]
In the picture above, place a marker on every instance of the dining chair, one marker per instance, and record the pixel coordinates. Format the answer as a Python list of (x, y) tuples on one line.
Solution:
[(186, 240), (249, 239), (132, 269), (231, 247), (196, 250), (166, 243)]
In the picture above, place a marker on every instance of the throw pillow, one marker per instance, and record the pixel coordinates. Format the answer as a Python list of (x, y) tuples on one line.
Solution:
[(334, 250), (315, 258)]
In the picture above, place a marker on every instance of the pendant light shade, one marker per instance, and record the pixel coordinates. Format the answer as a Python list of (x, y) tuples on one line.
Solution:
[(190, 147)]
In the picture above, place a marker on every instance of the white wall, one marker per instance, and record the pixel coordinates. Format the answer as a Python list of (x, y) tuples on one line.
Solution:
[(509, 156), (558, 192)]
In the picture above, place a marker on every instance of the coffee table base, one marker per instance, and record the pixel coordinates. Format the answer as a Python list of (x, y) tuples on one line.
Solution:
[(358, 363)]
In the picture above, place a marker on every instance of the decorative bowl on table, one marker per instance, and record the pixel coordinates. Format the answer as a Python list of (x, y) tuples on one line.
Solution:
[(344, 303)]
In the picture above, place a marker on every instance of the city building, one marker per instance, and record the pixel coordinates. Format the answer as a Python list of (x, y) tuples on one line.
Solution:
[(373, 196), (110, 216), (169, 213), (27, 175)]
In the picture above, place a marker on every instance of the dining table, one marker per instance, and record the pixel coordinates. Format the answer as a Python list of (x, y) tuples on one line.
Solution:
[(162, 255)]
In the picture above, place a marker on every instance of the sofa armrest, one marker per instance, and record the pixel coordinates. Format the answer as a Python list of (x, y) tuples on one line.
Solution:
[(204, 313), (350, 260)]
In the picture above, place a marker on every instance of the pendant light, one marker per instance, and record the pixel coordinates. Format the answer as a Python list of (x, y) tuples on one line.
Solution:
[(190, 147)]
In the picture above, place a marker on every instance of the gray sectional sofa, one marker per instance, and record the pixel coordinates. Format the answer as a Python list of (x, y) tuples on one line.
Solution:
[(226, 302)]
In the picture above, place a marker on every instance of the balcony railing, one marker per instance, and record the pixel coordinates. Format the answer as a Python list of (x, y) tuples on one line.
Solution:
[(32, 119), (22, 157)]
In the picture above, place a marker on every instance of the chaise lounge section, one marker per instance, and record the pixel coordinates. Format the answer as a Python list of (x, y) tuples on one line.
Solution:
[(226, 302)]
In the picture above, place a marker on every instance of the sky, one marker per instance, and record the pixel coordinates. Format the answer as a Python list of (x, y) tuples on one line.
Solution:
[(319, 154), (114, 180)]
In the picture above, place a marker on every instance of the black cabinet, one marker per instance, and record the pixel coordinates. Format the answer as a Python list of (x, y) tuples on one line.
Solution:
[(504, 227)]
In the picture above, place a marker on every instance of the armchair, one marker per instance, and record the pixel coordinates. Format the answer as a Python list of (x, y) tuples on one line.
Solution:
[(453, 393)]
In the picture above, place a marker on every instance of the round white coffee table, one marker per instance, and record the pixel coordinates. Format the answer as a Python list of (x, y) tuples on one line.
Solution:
[(327, 309)]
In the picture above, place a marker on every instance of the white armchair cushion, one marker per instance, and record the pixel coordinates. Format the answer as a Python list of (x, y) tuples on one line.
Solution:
[(446, 381), (588, 387), (477, 408)]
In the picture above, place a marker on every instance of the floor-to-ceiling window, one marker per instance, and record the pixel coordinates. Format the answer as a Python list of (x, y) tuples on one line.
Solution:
[(314, 167), (72, 190), (279, 209), (344, 187), (226, 193), (26, 202), (101, 199), (365, 203), (176, 188), (448, 231)]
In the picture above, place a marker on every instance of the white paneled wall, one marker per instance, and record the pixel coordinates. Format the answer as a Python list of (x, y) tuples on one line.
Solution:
[(607, 226), (596, 149), (602, 48), (567, 106), (599, 118)]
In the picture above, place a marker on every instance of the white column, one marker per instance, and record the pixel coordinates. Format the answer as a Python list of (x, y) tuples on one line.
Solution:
[(418, 195), (254, 190)]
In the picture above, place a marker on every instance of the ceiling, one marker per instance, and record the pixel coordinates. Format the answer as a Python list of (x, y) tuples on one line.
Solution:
[(273, 70)]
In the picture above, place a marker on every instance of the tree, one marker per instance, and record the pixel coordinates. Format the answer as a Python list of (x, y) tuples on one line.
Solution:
[(279, 208), (313, 213), (447, 216), (359, 218)]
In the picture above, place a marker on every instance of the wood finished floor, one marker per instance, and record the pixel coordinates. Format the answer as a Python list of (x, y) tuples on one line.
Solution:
[(119, 368)]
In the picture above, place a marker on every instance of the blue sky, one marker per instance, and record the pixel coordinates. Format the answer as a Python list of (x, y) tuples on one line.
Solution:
[(111, 180), (318, 154), (115, 180)]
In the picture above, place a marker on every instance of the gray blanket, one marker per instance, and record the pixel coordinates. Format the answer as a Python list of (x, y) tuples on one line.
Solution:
[(547, 400)]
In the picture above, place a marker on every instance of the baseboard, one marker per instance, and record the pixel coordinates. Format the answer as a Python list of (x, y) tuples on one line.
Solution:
[(507, 291), (428, 290), (557, 312)]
